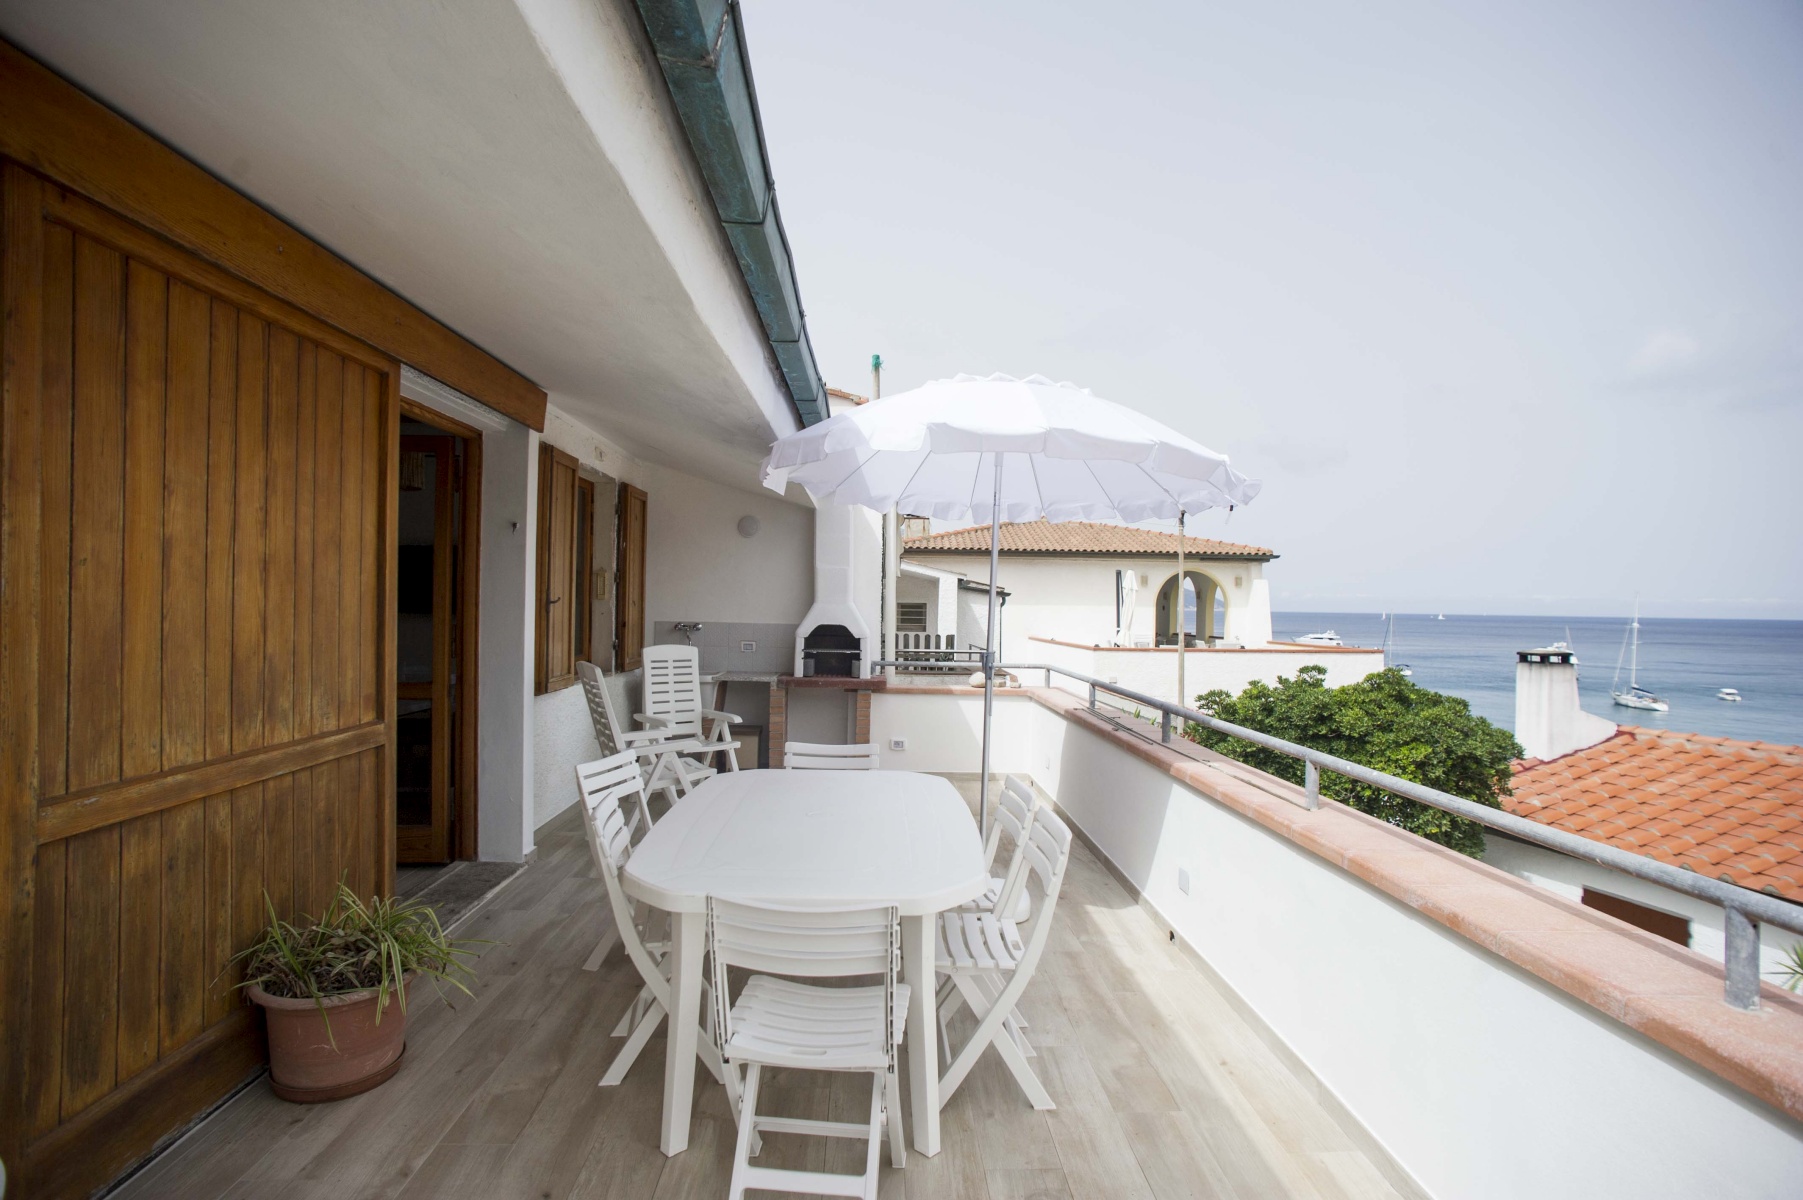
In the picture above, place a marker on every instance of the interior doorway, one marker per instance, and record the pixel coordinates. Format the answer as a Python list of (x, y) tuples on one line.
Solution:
[(435, 643)]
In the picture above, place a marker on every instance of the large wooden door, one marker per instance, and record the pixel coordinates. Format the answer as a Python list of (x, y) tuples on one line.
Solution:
[(629, 594), (196, 666)]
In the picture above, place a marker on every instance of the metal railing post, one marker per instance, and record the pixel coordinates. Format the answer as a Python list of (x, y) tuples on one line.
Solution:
[(1092, 697), (1741, 959), (1311, 783), (1166, 732)]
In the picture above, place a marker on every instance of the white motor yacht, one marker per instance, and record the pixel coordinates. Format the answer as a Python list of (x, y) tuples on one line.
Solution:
[(1728, 694), (1328, 638)]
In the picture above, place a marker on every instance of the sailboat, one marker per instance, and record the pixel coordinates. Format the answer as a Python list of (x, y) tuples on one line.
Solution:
[(1402, 669), (1636, 696)]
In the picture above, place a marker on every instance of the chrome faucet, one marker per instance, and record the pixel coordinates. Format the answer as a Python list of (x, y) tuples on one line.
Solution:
[(688, 629)]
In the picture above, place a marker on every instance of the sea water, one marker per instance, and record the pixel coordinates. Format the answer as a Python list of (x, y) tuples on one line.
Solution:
[(1681, 661)]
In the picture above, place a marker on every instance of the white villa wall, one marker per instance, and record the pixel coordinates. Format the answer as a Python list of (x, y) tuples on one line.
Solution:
[(1072, 599), (1154, 672), (938, 590), (1428, 1040), (1569, 877)]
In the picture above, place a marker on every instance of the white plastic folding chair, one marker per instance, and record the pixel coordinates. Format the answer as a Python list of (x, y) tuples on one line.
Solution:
[(673, 703), (1006, 895), (613, 805), (817, 756), (1013, 812), (778, 1022), (667, 759), (990, 960)]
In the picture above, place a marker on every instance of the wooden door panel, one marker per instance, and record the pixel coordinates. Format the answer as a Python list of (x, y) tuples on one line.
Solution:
[(207, 552), (96, 518)]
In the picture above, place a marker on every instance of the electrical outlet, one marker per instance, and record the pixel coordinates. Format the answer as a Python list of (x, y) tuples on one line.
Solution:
[(898, 743), (747, 647), (1183, 880)]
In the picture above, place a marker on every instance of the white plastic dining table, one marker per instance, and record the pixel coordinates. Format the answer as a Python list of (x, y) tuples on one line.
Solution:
[(810, 837)]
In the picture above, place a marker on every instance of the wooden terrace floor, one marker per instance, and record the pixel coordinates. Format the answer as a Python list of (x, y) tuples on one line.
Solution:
[(1163, 1090)]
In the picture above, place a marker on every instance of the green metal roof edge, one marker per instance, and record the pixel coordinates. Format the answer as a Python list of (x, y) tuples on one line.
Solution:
[(700, 46)]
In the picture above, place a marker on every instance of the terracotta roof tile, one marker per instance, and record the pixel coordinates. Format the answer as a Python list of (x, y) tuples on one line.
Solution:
[(1078, 537), (1723, 808)]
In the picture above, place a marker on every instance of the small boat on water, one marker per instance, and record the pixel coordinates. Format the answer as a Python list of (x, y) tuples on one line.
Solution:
[(1328, 638), (1400, 668), (1635, 696), (1441, 617), (1729, 694)]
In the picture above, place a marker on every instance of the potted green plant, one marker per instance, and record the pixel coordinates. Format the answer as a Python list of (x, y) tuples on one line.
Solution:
[(334, 990)]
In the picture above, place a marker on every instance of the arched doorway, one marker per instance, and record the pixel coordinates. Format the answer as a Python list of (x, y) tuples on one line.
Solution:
[(1202, 596)]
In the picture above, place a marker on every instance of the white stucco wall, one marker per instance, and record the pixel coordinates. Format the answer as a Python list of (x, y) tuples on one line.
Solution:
[(697, 568), (1072, 599), (1430, 1041)]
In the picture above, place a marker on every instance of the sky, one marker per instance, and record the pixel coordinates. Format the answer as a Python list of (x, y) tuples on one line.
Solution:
[(1502, 303)]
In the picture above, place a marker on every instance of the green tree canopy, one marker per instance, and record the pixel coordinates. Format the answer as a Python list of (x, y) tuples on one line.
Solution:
[(1383, 722)]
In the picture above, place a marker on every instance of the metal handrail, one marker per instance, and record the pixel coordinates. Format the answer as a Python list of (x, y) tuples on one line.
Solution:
[(1743, 910)]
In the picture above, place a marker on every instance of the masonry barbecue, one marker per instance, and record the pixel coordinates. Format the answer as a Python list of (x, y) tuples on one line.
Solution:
[(834, 638)]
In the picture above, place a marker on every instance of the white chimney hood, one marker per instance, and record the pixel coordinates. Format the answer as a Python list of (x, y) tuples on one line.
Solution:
[(839, 531), (1549, 723)]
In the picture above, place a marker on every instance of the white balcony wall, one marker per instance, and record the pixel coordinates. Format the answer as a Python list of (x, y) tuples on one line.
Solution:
[(944, 733), (1434, 1044)]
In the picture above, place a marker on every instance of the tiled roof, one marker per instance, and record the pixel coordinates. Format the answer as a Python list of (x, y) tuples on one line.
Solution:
[(1078, 537), (1728, 809)]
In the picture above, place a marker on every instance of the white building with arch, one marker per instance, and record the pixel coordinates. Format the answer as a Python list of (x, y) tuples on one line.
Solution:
[(1070, 582), (1102, 600)]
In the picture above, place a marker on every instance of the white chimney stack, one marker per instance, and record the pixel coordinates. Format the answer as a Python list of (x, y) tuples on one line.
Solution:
[(1548, 720)]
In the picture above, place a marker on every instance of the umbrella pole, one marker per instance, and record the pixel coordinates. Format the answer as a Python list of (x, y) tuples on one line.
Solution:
[(1183, 616), (989, 646)]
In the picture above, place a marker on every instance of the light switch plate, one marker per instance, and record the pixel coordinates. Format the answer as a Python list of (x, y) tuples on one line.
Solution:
[(1183, 880), (747, 647), (898, 743)]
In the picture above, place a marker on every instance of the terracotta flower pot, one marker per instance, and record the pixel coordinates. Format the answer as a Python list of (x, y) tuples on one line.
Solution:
[(304, 1064)]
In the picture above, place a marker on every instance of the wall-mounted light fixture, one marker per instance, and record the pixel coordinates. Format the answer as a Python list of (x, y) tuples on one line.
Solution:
[(748, 526)]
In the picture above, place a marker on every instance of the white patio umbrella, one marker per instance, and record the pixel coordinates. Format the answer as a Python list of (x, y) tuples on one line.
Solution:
[(995, 448)]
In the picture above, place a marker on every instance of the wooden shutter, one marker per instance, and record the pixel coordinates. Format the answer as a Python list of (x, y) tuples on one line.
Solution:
[(555, 665), (629, 594), (584, 592), (197, 533)]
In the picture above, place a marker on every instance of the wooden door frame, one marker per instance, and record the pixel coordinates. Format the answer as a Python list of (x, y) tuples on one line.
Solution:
[(464, 844)]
